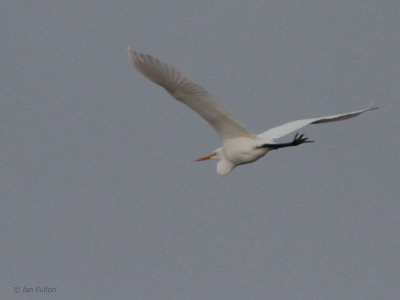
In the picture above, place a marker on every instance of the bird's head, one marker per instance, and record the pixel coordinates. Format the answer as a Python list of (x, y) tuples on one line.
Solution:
[(224, 166)]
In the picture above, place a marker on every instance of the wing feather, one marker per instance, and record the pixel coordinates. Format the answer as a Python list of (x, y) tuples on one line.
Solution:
[(191, 94), (285, 129)]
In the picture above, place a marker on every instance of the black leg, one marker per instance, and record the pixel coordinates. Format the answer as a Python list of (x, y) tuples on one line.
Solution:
[(297, 140)]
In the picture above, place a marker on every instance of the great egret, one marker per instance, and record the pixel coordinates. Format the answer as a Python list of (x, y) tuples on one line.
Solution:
[(239, 145)]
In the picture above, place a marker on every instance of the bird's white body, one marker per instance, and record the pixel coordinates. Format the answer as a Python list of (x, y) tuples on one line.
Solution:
[(239, 151), (243, 150), (239, 145)]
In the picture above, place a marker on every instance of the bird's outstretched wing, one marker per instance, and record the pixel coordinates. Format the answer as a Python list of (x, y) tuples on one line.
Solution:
[(285, 129), (191, 94)]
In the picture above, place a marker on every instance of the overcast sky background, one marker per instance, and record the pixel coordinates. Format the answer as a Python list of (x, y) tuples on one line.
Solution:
[(100, 196)]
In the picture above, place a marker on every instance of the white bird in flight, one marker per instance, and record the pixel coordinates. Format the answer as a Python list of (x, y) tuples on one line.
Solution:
[(239, 145)]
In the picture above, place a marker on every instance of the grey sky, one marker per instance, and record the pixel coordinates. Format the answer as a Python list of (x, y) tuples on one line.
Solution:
[(101, 199)]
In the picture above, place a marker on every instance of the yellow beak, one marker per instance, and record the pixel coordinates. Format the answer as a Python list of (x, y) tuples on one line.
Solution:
[(209, 156)]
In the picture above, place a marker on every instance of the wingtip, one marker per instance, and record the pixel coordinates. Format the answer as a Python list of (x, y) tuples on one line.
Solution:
[(372, 106), (131, 54)]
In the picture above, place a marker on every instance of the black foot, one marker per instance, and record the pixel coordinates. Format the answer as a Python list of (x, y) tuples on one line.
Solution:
[(297, 140), (300, 139)]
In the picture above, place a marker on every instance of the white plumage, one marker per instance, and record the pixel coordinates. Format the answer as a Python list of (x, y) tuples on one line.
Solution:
[(239, 145)]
